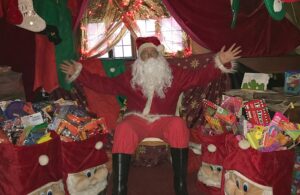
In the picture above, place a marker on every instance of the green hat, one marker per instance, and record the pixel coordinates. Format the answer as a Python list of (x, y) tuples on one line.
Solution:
[(275, 9)]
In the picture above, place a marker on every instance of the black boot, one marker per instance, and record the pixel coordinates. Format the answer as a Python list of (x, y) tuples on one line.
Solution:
[(121, 164), (179, 163)]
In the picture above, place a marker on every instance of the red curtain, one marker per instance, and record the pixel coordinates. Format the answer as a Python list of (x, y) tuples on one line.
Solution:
[(208, 23), (77, 8)]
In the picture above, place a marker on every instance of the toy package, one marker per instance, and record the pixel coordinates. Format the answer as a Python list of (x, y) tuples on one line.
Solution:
[(292, 83), (255, 81), (233, 104), (257, 112)]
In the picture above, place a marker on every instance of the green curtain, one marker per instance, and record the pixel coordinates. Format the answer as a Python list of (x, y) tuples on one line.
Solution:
[(56, 13)]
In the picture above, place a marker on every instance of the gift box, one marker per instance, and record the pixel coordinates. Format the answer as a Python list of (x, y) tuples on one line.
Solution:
[(292, 83), (253, 172), (31, 169), (83, 165)]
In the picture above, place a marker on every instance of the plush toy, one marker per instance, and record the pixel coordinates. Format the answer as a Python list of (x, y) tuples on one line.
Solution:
[(236, 183), (88, 182), (251, 172), (54, 188), (84, 168), (210, 174), (31, 169)]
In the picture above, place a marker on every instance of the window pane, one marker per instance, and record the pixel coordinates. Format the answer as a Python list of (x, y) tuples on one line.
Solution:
[(166, 24), (104, 56), (175, 25), (142, 25), (127, 51), (127, 39), (150, 25), (177, 47), (171, 35), (120, 43), (118, 51)]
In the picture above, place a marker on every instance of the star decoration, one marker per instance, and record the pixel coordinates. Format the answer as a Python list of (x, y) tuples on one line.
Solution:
[(194, 104), (195, 63)]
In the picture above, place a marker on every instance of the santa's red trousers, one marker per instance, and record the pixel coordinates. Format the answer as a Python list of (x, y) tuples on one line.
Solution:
[(133, 129)]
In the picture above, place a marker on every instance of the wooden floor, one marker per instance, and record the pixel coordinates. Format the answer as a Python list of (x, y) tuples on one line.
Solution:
[(155, 181)]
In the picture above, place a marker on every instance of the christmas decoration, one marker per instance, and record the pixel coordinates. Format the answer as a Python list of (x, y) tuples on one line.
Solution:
[(235, 6), (275, 9), (31, 20)]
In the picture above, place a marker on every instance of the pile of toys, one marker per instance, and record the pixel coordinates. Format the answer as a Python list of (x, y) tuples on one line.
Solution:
[(24, 123)]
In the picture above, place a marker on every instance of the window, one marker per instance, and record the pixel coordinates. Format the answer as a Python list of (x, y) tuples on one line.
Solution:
[(123, 49), (95, 32), (167, 29), (171, 35), (147, 27)]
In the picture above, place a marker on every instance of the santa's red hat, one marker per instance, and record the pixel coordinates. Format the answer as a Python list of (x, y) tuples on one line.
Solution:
[(144, 42), (269, 171)]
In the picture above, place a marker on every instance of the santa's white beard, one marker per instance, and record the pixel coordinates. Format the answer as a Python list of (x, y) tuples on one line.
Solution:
[(152, 75)]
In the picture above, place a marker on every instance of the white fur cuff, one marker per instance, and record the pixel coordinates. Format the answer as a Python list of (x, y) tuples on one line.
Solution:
[(78, 67), (221, 66)]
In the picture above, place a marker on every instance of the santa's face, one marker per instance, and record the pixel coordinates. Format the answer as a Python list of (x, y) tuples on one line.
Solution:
[(53, 188), (238, 184), (151, 73), (88, 182), (210, 174), (149, 52)]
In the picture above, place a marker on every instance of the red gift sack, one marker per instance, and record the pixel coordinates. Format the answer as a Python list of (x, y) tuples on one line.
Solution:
[(253, 172), (84, 169), (213, 155), (31, 169), (195, 151)]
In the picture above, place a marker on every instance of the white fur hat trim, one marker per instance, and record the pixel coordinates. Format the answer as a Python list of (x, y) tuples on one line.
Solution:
[(211, 148), (99, 145), (159, 48), (244, 144), (43, 160)]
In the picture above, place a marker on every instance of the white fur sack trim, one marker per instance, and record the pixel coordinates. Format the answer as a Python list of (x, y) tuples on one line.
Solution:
[(221, 66), (159, 48), (150, 118), (78, 67)]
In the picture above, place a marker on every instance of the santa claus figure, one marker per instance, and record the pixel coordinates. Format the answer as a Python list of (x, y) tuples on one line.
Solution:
[(84, 169), (152, 87), (236, 183), (91, 181), (53, 188)]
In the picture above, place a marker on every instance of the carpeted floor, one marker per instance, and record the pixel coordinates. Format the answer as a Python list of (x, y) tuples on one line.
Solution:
[(155, 181)]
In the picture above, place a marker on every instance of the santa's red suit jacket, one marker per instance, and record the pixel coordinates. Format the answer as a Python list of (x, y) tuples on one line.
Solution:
[(183, 79)]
